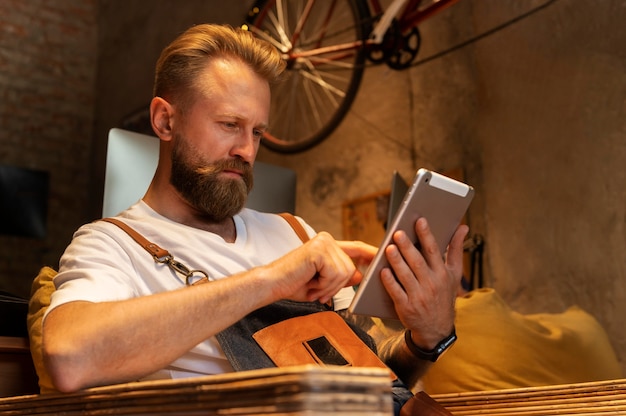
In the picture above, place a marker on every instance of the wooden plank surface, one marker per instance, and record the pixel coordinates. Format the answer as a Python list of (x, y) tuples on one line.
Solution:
[(309, 390), (592, 398)]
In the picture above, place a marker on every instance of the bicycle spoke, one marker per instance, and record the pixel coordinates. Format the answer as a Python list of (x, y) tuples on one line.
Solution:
[(263, 35), (318, 60), (319, 80), (280, 24), (314, 109)]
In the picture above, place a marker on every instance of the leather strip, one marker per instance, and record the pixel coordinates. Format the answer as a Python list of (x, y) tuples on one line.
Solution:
[(161, 255), (159, 252), (156, 251), (296, 225)]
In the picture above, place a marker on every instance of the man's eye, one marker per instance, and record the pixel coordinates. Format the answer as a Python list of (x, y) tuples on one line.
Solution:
[(258, 133)]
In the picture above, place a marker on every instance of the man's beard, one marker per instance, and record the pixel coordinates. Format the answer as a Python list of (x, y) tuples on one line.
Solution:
[(200, 185)]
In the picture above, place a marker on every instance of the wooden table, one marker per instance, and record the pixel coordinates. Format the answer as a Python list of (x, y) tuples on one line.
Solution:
[(594, 398), (310, 390)]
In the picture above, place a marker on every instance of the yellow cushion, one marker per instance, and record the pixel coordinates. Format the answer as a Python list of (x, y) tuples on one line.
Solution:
[(41, 290), (499, 348)]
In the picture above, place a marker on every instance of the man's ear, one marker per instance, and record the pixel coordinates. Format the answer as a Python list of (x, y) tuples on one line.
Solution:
[(161, 118)]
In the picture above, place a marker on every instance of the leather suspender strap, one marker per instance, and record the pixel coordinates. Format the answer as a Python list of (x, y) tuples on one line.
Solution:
[(154, 250), (295, 224), (158, 252), (163, 256)]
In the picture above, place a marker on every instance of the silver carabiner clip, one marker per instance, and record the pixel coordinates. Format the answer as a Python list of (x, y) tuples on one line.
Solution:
[(179, 267)]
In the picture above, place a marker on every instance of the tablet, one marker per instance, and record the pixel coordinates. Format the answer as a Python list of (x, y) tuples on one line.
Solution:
[(443, 201)]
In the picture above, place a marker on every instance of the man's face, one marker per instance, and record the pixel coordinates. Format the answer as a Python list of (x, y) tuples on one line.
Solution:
[(215, 141), (203, 184)]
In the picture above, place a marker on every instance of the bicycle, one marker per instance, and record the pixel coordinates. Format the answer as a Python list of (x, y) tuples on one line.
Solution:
[(326, 44)]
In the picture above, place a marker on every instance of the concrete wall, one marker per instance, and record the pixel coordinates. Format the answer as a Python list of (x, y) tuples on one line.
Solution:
[(536, 117), (533, 114), (551, 128)]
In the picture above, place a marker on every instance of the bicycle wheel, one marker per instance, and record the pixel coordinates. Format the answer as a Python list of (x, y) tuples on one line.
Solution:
[(322, 42)]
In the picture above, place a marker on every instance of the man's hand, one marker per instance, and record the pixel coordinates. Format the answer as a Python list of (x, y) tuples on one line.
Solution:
[(361, 254), (425, 290), (319, 268)]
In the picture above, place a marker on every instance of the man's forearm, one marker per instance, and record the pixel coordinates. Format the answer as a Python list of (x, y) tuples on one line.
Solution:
[(87, 344), (392, 349), (395, 353)]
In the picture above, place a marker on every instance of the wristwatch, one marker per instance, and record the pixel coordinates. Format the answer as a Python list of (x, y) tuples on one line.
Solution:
[(433, 354)]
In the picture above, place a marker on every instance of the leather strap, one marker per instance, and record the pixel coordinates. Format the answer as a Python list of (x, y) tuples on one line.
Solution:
[(296, 225), (154, 250), (163, 256), (158, 252)]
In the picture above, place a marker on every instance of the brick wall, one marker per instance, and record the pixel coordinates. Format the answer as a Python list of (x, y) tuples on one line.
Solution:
[(48, 53)]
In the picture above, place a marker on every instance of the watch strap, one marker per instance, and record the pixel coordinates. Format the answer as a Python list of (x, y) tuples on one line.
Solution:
[(429, 355)]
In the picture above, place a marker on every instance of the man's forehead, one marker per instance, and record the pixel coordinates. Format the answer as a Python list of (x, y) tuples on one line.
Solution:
[(229, 75)]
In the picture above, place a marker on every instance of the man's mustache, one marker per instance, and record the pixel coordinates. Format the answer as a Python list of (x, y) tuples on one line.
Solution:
[(238, 165), (222, 165)]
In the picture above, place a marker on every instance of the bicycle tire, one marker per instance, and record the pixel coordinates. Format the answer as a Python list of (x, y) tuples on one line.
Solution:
[(318, 90)]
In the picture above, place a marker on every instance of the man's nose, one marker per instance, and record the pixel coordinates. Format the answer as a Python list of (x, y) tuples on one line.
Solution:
[(246, 147)]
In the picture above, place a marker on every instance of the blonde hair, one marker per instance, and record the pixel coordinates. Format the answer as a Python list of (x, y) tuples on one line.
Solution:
[(183, 60)]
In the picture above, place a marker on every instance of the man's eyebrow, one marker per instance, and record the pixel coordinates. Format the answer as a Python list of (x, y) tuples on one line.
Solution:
[(231, 115), (261, 126)]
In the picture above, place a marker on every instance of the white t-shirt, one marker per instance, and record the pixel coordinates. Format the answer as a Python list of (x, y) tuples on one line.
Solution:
[(104, 264)]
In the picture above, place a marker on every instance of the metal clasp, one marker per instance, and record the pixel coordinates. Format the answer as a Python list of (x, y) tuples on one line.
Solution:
[(179, 267)]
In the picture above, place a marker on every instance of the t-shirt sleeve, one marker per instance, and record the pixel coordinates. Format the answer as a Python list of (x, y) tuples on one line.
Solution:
[(93, 269)]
